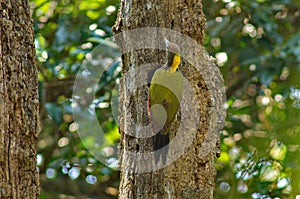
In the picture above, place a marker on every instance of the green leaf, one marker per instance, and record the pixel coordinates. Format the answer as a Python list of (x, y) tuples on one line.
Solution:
[(54, 111)]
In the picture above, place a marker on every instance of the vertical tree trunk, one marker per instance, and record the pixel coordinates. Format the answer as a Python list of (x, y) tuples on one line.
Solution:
[(190, 174), (18, 102)]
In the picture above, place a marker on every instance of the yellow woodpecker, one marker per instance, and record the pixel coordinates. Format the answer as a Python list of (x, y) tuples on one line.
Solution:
[(164, 98)]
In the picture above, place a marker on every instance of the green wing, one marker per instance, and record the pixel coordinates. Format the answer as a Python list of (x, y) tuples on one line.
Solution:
[(166, 91)]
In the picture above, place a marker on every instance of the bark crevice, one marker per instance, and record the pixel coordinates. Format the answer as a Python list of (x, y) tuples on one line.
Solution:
[(192, 175), (18, 102)]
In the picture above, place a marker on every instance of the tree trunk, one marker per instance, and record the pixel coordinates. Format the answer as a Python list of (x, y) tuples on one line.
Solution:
[(18, 102), (190, 171)]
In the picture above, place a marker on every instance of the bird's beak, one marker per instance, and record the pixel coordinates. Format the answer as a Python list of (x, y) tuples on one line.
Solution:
[(167, 42)]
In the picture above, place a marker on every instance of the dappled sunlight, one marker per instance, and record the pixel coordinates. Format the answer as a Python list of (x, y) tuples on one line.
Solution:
[(256, 46)]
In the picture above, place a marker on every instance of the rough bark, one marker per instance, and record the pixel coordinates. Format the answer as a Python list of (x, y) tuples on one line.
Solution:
[(18, 102), (192, 174)]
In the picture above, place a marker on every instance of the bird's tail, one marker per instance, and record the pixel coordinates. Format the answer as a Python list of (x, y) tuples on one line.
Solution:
[(159, 141)]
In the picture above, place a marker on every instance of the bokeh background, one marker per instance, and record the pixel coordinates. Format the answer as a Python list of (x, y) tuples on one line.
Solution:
[(257, 46)]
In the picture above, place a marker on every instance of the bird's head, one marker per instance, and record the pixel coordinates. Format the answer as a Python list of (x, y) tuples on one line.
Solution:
[(173, 55)]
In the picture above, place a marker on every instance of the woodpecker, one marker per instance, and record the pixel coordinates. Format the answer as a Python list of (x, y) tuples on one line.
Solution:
[(165, 93)]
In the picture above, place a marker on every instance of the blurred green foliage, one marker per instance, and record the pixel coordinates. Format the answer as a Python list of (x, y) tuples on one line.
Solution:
[(66, 33), (257, 47), (256, 44)]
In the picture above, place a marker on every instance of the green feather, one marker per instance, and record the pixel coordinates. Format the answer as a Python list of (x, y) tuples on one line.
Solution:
[(165, 90)]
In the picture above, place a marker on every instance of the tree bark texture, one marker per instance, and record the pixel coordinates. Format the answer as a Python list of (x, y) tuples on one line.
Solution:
[(19, 103), (191, 175)]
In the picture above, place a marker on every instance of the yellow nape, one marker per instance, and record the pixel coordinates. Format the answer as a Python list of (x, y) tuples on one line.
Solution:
[(176, 62)]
